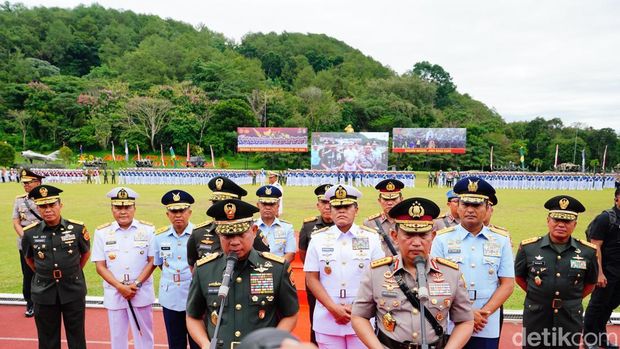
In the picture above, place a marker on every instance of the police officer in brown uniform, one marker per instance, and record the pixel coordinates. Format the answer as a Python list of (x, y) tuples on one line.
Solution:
[(451, 218), (389, 195), (310, 225), (57, 249), (262, 292), (24, 214), (382, 295), (557, 271), (204, 240)]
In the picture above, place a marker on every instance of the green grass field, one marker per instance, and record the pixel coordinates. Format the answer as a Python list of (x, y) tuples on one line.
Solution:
[(520, 211)]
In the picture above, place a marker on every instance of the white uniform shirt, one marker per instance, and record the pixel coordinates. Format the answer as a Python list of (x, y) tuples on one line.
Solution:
[(340, 259), (126, 254)]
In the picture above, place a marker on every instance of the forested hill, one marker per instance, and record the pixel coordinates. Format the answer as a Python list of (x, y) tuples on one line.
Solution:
[(90, 76)]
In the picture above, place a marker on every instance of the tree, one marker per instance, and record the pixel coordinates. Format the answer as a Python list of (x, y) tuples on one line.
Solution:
[(65, 153), (147, 115), (258, 102), (436, 74), (319, 108), (23, 120), (536, 162), (7, 154), (594, 164)]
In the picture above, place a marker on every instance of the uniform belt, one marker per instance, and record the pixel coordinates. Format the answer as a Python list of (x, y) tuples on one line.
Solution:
[(57, 274), (394, 344), (480, 294), (558, 303)]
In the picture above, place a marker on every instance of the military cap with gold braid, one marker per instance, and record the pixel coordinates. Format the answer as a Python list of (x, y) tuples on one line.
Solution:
[(320, 191), (224, 188), (44, 194), (415, 215), (232, 216), (28, 176), (122, 196), (474, 190), (268, 194), (177, 200), (342, 195), (389, 189), (564, 207)]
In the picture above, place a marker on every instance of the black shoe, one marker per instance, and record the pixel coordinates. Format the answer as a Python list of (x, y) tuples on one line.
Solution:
[(29, 311)]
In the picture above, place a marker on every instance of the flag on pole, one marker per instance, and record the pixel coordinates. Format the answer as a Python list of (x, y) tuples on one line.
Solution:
[(163, 161), (138, 150), (491, 158), (522, 156), (604, 159), (126, 151), (113, 156), (173, 157), (555, 163), (187, 157), (212, 157), (583, 160)]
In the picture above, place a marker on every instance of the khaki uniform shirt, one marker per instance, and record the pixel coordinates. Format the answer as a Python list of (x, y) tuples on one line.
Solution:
[(387, 227), (24, 209), (444, 221), (379, 295)]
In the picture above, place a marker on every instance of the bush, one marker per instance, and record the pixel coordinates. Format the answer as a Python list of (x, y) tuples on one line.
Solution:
[(222, 163), (7, 154)]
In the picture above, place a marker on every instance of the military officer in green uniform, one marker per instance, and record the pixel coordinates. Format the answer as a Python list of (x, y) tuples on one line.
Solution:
[(389, 196), (57, 249), (204, 240), (310, 225), (262, 292), (381, 295), (557, 271)]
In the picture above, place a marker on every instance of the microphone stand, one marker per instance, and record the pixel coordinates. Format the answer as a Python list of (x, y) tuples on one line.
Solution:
[(231, 260), (420, 264)]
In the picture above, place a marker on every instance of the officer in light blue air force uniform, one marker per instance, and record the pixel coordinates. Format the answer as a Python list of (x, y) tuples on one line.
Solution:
[(484, 255), (279, 233), (170, 251)]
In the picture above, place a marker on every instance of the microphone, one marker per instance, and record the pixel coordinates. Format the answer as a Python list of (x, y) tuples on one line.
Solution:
[(420, 266), (231, 260)]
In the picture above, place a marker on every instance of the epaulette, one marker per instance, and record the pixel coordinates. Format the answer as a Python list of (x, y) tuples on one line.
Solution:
[(447, 263), (161, 230), (21, 196), (446, 230), (498, 230), (311, 219), (146, 223), (382, 261), (530, 240), (207, 258), (30, 226), (441, 216), (374, 216), (587, 243), (319, 231), (283, 221), (74, 221), (104, 225), (273, 257), (369, 229), (203, 224)]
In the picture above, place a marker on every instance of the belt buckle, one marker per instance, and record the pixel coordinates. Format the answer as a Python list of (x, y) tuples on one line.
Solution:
[(234, 345), (556, 303), (57, 273), (409, 345), (475, 294)]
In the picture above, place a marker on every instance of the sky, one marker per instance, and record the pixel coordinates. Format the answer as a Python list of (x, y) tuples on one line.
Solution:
[(525, 58)]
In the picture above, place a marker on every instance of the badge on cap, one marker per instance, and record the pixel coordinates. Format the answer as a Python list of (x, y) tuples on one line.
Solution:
[(564, 203), (219, 183), (24, 172), (472, 186), (416, 210), (268, 191), (390, 186), (341, 193), (176, 197), (230, 210), (43, 192), (122, 194)]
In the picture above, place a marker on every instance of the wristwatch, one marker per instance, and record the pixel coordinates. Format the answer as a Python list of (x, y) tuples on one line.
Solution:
[(138, 284)]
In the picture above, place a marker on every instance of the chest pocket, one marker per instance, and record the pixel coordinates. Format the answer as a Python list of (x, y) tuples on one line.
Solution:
[(259, 307), (538, 268), (575, 276), (491, 265)]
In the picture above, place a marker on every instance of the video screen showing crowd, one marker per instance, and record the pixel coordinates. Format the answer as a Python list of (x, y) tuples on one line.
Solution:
[(407, 277)]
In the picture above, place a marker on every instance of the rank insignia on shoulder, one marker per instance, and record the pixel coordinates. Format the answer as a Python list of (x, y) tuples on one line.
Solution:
[(104, 225), (441, 216), (369, 229), (589, 244), (499, 230), (283, 221), (203, 224), (374, 216), (161, 230), (320, 230), (273, 257), (146, 223), (75, 222), (21, 196), (29, 226), (447, 263), (530, 240), (310, 219), (208, 258), (446, 230), (380, 262)]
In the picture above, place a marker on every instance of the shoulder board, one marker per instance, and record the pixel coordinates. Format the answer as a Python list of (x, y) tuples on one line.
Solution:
[(441, 216), (287, 222), (363, 227), (146, 223), (21, 196), (320, 230), (446, 230), (589, 244), (374, 216), (203, 224), (273, 257), (104, 225), (530, 240), (311, 219), (161, 230), (448, 263), (207, 258), (498, 230), (74, 221), (383, 261), (30, 226)]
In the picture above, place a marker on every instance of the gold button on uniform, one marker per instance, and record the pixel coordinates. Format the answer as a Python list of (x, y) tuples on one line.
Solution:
[(557, 293), (238, 306), (237, 334), (238, 280), (557, 274), (559, 257), (555, 311)]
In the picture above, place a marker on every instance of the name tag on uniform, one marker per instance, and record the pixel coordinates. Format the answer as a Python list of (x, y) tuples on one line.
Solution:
[(361, 244), (66, 237), (454, 246), (577, 264), (491, 249), (279, 233), (439, 289), (41, 240), (327, 249), (110, 242)]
